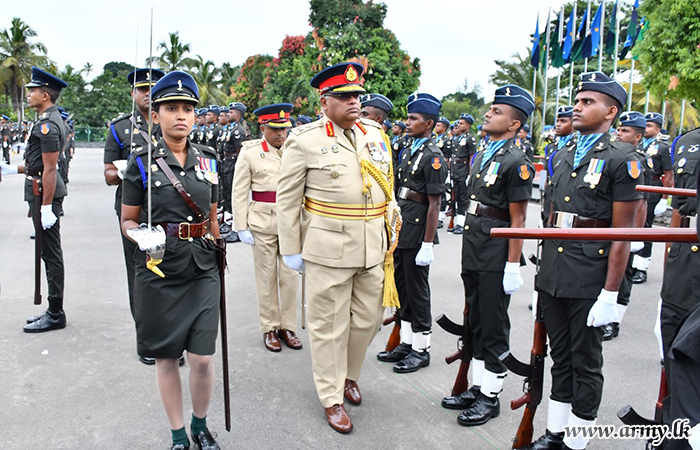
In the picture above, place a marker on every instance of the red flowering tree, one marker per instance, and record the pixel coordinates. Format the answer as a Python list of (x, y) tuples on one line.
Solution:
[(249, 86)]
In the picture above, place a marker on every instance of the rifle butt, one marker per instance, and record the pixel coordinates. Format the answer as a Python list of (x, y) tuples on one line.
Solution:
[(523, 436), (663, 393), (394, 337), (461, 383)]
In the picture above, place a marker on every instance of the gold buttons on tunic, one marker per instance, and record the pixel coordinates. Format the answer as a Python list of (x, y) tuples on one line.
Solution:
[(466, 227), (189, 218), (694, 248), (182, 173), (478, 175), (334, 174), (601, 251), (573, 174), (679, 171), (473, 196), (567, 199), (417, 219), (668, 250), (157, 183), (405, 180), (190, 240), (560, 249)]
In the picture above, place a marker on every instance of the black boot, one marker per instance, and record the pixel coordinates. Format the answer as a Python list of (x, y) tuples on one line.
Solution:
[(400, 352), (610, 331), (463, 400), (639, 277), (48, 321), (483, 409), (414, 361), (459, 229), (550, 441)]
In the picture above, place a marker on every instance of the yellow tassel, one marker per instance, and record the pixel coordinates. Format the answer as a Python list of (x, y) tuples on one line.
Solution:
[(391, 294), (152, 265)]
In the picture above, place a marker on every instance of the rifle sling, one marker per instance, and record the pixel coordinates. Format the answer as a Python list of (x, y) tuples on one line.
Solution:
[(180, 189)]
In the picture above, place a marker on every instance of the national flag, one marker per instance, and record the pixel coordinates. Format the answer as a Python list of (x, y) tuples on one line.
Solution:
[(557, 47), (544, 43), (535, 58), (632, 31), (611, 37), (569, 40), (576, 54), (592, 41)]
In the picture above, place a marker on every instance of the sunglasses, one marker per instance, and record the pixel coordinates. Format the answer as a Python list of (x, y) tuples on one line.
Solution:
[(344, 96)]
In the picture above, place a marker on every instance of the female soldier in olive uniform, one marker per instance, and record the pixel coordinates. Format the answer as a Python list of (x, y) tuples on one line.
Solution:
[(177, 309)]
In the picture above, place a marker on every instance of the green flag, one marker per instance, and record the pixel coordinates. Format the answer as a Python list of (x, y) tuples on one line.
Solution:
[(557, 47)]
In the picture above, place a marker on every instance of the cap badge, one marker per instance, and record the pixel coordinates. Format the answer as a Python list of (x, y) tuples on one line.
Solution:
[(281, 114), (148, 76), (508, 91), (593, 77), (351, 74), (179, 85)]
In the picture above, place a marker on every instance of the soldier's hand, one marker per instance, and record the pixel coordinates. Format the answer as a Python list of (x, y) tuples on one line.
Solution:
[(425, 254), (246, 237), (294, 262), (604, 310), (511, 278), (660, 207), (48, 218), (7, 169)]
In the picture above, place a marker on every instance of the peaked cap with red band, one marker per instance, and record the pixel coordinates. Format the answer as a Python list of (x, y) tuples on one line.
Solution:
[(341, 78), (275, 116)]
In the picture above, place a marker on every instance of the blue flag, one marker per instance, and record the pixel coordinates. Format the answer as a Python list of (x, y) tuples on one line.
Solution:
[(590, 45), (535, 59), (569, 40)]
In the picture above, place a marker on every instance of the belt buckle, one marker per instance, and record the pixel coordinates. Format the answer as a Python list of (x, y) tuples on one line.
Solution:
[(402, 192), (693, 221), (564, 219), (472, 208), (180, 228)]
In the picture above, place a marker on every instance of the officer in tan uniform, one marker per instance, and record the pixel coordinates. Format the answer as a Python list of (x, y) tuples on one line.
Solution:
[(257, 170), (332, 198)]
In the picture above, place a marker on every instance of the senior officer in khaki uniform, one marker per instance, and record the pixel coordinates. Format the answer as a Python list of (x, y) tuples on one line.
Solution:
[(257, 170), (332, 196)]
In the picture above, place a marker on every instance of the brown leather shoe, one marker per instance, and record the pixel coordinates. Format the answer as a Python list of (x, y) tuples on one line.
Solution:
[(352, 392), (338, 419), (271, 341), (290, 339)]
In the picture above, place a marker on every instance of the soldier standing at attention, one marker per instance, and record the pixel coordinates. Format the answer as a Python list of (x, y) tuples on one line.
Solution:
[(445, 143), (257, 170), (499, 189), (593, 186), (525, 143), (126, 134), (659, 160), (232, 143), (375, 107), (566, 138), (5, 138), (211, 132), (43, 184), (224, 124), (420, 184), (464, 151), (338, 168), (399, 141)]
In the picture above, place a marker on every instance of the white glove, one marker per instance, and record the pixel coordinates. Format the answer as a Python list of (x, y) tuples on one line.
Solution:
[(636, 246), (535, 300), (660, 207), (694, 439), (246, 237), (48, 218), (7, 169), (604, 310), (512, 279), (120, 164), (294, 262), (425, 254), (151, 241)]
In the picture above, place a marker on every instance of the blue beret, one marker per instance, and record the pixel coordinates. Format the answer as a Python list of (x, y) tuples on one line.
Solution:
[(301, 119), (276, 115), (378, 101), (238, 106), (445, 121), (633, 119), (455, 123), (655, 117), (293, 121), (5, 117), (201, 111), (526, 128), (565, 111), (144, 77), (516, 97), (223, 109), (42, 78), (175, 86), (466, 117), (213, 109), (424, 104), (399, 123), (340, 78), (387, 124), (599, 82)]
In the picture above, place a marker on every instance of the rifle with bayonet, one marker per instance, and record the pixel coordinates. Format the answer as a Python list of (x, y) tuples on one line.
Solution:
[(464, 349)]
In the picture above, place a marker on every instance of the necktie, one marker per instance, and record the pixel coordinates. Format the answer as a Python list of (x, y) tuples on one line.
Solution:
[(351, 137)]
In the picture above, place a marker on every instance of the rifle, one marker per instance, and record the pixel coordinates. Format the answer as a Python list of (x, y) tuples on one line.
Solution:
[(38, 230), (464, 349), (221, 260), (667, 191), (395, 336), (688, 235)]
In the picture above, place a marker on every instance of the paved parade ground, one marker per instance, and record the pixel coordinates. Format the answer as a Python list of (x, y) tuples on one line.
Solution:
[(84, 388)]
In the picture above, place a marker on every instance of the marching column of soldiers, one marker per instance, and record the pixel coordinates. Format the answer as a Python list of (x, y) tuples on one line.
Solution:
[(323, 198)]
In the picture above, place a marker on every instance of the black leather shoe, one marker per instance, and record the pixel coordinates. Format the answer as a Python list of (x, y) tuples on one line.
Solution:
[(224, 228), (33, 319), (400, 352), (181, 362), (550, 441), (639, 277), (458, 229), (179, 447), (147, 360), (205, 441), (463, 400), (610, 331), (47, 322), (483, 409), (414, 361), (439, 225)]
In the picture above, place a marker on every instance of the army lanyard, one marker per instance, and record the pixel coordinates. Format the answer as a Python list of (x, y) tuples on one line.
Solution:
[(177, 184)]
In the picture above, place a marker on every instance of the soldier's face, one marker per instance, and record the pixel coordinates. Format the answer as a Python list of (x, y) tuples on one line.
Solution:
[(175, 118), (141, 97), (440, 128), (223, 119), (396, 130), (341, 107), (464, 126), (418, 126), (522, 134), (628, 134), (211, 117), (34, 97), (652, 130), (275, 136), (591, 111), (233, 116), (563, 126), (499, 120)]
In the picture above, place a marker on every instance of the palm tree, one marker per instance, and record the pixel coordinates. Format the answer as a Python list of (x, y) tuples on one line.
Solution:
[(88, 69), (205, 74), (229, 77), (18, 55), (173, 55)]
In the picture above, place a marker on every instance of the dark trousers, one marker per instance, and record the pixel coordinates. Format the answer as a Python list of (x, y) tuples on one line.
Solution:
[(129, 252), (52, 254), (226, 182), (459, 190), (414, 289), (577, 354), (6, 154), (488, 316), (651, 203), (623, 296)]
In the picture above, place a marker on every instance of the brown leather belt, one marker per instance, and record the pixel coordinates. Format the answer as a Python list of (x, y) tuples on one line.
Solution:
[(186, 230), (572, 220), (265, 197), (409, 194), (656, 178), (33, 171), (461, 160), (688, 221), (479, 209)]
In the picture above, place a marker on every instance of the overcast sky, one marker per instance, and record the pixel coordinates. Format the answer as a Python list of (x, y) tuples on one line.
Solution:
[(455, 40)]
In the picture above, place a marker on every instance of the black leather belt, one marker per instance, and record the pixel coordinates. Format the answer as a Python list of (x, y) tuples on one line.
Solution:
[(688, 221), (573, 220), (409, 194), (479, 209), (33, 171), (461, 160)]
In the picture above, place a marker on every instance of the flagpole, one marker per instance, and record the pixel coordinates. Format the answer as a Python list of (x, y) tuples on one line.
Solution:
[(629, 97), (571, 66), (617, 38), (663, 109), (560, 36), (544, 73), (588, 26), (646, 104), (680, 126), (534, 76), (600, 41)]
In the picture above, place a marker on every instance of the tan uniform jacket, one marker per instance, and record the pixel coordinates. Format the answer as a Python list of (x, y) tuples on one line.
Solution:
[(256, 170), (320, 163)]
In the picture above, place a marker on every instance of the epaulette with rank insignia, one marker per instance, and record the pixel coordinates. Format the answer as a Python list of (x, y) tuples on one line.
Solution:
[(309, 126), (371, 123), (122, 117), (250, 143)]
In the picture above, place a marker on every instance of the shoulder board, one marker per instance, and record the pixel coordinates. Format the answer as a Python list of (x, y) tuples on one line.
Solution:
[(122, 117), (306, 127), (138, 151), (251, 143), (370, 123)]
